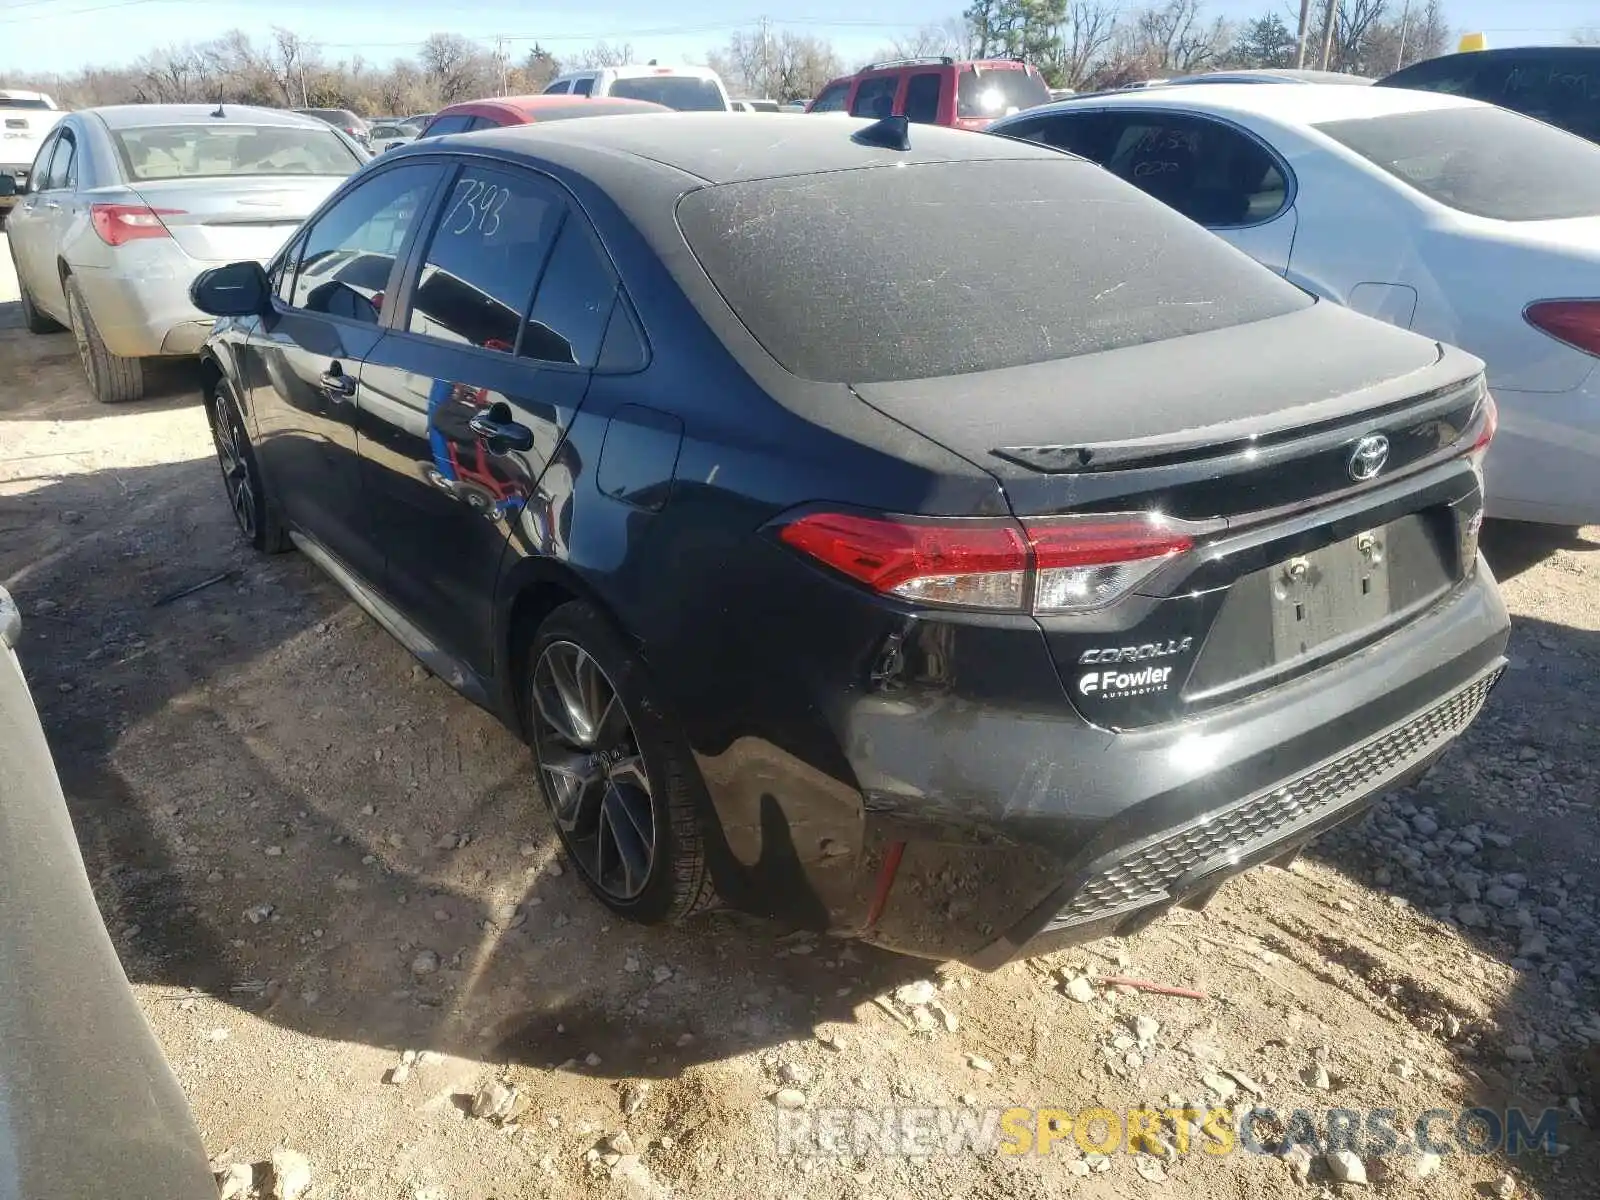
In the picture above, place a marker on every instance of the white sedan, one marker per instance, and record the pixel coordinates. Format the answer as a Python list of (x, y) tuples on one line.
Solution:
[(1463, 221)]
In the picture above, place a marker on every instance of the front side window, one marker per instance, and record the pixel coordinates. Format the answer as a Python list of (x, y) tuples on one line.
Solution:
[(488, 249), (204, 151), (347, 255), (1209, 172), (922, 98), (875, 97), (832, 98), (1486, 161), (41, 162)]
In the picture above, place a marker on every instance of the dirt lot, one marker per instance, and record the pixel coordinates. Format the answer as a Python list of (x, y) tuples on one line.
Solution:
[(314, 858)]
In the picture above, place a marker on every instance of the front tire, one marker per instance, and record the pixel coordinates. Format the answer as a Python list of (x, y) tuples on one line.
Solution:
[(256, 517), (620, 782), (112, 378)]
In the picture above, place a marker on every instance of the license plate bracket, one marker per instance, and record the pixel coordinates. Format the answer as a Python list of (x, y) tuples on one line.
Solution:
[(1323, 595)]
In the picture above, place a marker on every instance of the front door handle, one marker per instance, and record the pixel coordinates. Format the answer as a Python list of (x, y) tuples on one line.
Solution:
[(336, 383), (494, 426)]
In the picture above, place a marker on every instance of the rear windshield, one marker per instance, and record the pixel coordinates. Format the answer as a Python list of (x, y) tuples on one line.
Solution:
[(995, 93), (8, 102), (683, 92), (939, 269), (193, 151), (1484, 161)]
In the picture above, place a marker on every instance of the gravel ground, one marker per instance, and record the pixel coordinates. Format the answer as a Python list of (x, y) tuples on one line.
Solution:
[(339, 903)]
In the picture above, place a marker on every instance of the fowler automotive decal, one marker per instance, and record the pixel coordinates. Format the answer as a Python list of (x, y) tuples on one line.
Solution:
[(1113, 654), (1126, 683)]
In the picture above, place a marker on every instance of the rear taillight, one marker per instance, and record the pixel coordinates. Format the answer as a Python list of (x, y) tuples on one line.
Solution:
[(1575, 322), (118, 224), (1488, 427), (1048, 565)]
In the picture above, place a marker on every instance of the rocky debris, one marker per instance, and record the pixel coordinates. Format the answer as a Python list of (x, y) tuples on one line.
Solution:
[(1316, 1075), (917, 994), (258, 913), (494, 1101), (1220, 1084), (789, 1098), (832, 1040), (1421, 1166), (1298, 1160), (1080, 989), (1346, 1167), (794, 1074), (235, 1181), (1149, 1168), (425, 963), (979, 1063), (632, 1095), (1145, 1029), (1519, 1052), (291, 1174), (1505, 1187)]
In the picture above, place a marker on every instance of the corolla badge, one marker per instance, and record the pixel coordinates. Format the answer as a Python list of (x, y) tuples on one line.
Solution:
[(1368, 457)]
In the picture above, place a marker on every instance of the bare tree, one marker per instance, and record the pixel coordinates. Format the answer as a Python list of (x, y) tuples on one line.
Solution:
[(289, 58), (456, 67), (1085, 36), (604, 54), (785, 66), (1174, 36)]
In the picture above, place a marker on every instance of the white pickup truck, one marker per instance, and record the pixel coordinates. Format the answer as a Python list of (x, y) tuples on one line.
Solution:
[(26, 119)]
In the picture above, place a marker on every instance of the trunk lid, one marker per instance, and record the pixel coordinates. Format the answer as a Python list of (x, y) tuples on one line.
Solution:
[(1248, 438), (231, 220)]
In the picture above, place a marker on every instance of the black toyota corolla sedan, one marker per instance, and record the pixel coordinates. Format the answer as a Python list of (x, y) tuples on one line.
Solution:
[(922, 536)]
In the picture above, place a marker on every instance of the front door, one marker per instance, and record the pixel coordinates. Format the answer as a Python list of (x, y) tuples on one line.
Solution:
[(303, 364), (467, 397), (28, 228)]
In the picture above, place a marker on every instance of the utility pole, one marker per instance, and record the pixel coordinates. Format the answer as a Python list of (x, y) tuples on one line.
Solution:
[(1305, 32), (502, 59), (1327, 31), (1405, 24)]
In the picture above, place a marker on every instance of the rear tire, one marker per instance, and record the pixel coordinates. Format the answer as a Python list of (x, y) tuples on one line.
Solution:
[(112, 378), (253, 510), (634, 743)]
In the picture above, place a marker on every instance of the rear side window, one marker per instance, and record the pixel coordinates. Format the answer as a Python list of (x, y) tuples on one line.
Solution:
[(1486, 161), (582, 87), (559, 89), (487, 250), (941, 269), (922, 98), (576, 294), (450, 123), (832, 98), (686, 93), (875, 96), (992, 94), (1209, 172)]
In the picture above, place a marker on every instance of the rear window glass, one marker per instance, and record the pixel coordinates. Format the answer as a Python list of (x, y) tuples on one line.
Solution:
[(916, 272), (1484, 161), (193, 151), (995, 93), (10, 102), (683, 92)]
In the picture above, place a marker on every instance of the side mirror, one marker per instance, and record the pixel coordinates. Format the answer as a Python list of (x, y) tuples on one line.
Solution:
[(9, 185), (239, 289)]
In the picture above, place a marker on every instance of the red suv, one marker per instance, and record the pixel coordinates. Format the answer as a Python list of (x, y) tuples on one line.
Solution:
[(936, 91), (471, 115)]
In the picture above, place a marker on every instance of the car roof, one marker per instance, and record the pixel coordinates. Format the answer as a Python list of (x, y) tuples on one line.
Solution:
[(135, 116), (550, 107), (719, 148), (1585, 54), (1274, 75), (1309, 105)]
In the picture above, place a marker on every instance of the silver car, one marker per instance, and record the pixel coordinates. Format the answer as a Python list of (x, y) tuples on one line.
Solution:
[(125, 205)]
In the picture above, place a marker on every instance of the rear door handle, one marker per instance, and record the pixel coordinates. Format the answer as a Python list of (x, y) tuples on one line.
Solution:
[(52, 204), (337, 384), (495, 426)]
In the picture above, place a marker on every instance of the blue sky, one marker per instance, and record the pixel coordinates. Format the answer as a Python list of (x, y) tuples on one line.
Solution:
[(61, 35)]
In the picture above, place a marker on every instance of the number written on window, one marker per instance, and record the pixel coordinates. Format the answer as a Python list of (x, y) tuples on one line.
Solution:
[(476, 207)]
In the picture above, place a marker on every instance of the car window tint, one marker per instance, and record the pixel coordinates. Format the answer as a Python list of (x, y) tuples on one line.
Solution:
[(55, 175), (1210, 173), (922, 97), (344, 265), (1083, 134), (875, 96), (832, 98), (871, 290), (41, 161), (582, 87), (576, 294), (450, 123), (1563, 93), (486, 253), (1482, 160)]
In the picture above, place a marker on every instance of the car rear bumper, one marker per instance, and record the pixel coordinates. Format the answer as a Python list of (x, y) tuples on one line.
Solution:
[(986, 835), (148, 313)]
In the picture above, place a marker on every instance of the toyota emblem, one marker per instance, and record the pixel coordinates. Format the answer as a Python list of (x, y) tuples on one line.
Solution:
[(1368, 457)]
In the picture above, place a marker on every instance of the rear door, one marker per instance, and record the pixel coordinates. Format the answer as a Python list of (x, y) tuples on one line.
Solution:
[(504, 315), (303, 366)]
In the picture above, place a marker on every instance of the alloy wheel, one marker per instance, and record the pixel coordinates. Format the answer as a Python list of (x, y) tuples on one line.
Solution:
[(235, 470), (594, 771)]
